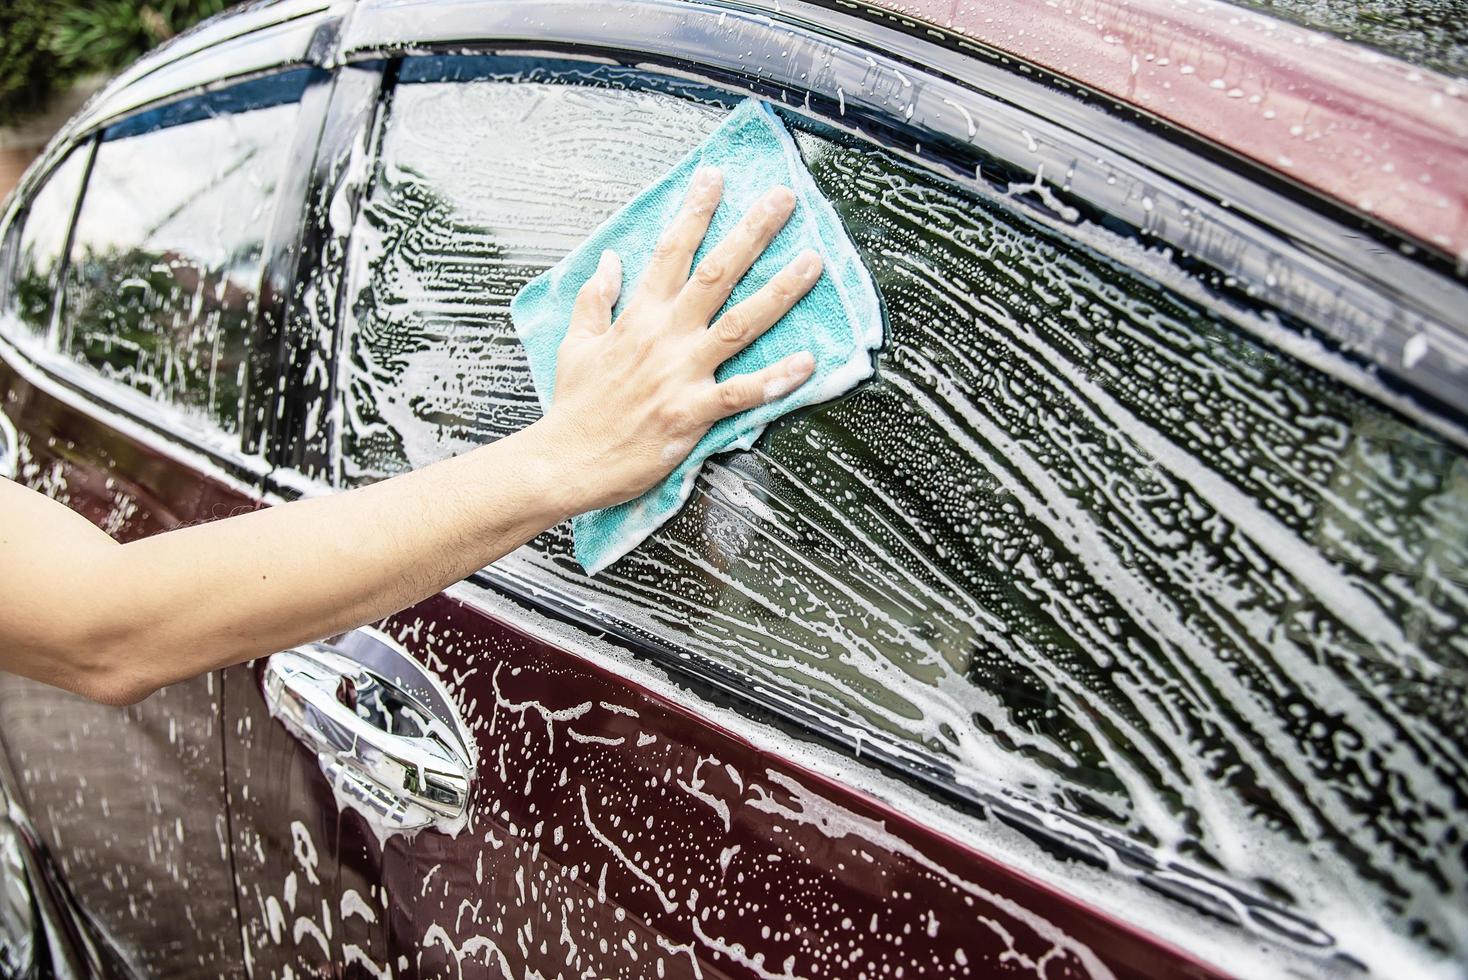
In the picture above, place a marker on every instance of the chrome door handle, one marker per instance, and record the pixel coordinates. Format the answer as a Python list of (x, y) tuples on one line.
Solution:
[(379, 732)]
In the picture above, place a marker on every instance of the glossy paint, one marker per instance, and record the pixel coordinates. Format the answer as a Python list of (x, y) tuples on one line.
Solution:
[(614, 833), (522, 890)]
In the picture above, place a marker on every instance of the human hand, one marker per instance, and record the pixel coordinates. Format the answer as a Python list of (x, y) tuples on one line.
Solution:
[(633, 397)]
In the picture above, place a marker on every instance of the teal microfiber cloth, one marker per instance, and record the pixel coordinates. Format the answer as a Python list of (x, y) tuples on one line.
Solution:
[(839, 321)]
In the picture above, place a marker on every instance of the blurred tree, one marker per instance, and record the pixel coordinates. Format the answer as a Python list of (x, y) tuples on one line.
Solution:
[(28, 69), (44, 44)]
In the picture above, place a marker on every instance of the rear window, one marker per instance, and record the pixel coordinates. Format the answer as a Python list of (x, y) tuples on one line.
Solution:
[(37, 242), (1080, 540), (164, 275)]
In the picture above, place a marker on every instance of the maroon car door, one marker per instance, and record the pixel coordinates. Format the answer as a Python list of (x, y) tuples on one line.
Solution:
[(125, 375), (1075, 643)]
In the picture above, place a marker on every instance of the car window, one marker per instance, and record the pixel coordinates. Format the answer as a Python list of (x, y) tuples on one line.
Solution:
[(36, 243), (1080, 539), (162, 285)]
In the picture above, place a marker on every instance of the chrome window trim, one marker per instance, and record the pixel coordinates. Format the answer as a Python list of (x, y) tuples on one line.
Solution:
[(1409, 352), (19, 210), (217, 30), (120, 400), (240, 44), (17, 206), (370, 37), (254, 54), (721, 687)]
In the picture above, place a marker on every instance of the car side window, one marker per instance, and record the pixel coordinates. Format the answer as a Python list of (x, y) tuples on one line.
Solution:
[(36, 243), (162, 284), (1081, 538)]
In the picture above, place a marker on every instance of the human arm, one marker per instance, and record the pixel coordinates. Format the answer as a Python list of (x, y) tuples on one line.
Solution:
[(632, 398)]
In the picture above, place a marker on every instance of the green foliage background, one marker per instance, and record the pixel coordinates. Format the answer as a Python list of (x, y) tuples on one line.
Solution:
[(44, 44)]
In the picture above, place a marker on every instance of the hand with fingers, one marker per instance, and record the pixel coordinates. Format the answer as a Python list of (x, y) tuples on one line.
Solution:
[(633, 397)]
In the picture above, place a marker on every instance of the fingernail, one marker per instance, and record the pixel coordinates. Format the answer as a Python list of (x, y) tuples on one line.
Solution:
[(706, 177), (802, 363), (778, 199), (807, 264)]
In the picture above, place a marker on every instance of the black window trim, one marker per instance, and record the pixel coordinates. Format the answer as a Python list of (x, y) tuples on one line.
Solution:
[(299, 259)]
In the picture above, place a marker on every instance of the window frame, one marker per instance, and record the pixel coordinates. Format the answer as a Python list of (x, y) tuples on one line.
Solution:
[(211, 103), (341, 122), (1264, 230)]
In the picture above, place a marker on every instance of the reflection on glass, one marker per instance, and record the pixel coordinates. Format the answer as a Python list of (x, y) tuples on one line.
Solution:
[(1431, 34), (165, 262), (1080, 538), (43, 236)]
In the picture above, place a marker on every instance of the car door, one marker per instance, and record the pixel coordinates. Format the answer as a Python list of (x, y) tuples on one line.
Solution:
[(571, 758), (127, 379), (1078, 636)]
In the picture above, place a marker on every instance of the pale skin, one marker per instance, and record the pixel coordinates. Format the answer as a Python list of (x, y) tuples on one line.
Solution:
[(173, 606)]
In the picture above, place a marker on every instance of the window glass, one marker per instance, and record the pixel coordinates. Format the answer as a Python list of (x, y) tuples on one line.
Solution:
[(39, 239), (1433, 35), (161, 290), (1080, 538)]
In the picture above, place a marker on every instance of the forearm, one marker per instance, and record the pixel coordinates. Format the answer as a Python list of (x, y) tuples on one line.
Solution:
[(203, 597)]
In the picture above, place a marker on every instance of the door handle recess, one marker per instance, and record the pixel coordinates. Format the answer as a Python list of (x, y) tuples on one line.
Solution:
[(383, 743)]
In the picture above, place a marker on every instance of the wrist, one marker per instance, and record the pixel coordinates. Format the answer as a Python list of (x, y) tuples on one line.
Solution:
[(557, 463)]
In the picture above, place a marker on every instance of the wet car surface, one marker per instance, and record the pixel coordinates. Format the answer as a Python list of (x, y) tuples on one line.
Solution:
[(1115, 628)]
